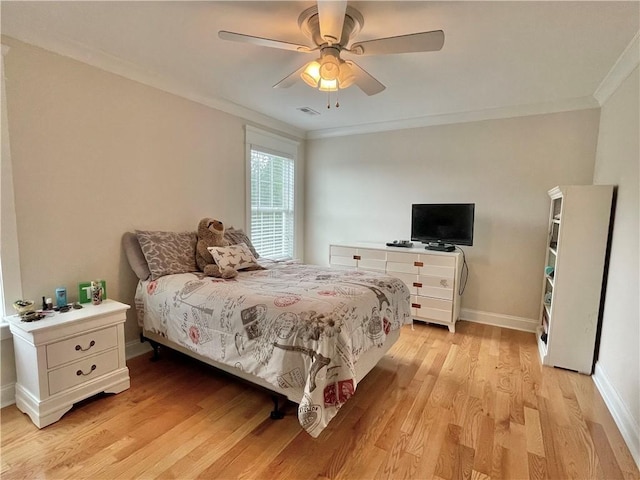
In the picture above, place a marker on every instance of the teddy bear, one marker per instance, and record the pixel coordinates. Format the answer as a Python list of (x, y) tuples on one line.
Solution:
[(211, 234)]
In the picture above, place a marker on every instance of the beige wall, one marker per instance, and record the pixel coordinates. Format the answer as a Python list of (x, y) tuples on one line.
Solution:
[(617, 163), (95, 155), (361, 187)]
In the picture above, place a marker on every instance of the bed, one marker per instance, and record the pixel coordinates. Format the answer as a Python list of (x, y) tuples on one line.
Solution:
[(305, 332)]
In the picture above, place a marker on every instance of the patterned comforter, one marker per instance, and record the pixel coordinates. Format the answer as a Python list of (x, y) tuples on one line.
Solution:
[(292, 325)]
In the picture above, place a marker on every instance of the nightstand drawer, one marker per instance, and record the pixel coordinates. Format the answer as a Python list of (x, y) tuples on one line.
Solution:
[(81, 346), (82, 371)]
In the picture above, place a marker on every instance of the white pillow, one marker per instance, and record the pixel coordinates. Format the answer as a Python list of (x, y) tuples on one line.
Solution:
[(237, 256)]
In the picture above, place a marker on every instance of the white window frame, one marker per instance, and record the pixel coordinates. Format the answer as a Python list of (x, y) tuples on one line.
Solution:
[(274, 144)]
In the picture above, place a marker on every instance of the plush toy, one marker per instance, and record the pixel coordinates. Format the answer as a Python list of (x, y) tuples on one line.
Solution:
[(211, 234)]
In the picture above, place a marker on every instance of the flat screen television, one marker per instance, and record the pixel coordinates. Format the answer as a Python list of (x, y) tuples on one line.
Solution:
[(442, 225)]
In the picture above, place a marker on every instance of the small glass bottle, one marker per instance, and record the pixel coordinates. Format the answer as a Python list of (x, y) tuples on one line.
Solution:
[(96, 292)]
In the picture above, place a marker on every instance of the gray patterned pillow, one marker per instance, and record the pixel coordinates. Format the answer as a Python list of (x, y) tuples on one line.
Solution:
[(168, 252), (237, 257), (236, 236)]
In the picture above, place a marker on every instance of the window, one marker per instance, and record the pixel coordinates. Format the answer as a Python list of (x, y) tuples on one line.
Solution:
[(271, 196), (272, 210)]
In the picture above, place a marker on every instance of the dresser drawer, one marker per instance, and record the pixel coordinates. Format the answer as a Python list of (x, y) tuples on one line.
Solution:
[(437, 271), (434, 308), (426, 281), (401, 267), (403, 257), (342, 251), (436, 292), (408, 280), (81, 346), (342, 261), (438, 260), (366, 254), (82, 371), (375, 265)]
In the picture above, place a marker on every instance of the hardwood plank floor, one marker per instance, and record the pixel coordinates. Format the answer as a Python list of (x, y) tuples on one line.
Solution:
[(475, 404)]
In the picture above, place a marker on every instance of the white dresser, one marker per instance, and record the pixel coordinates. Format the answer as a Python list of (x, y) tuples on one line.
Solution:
[(433, 277), (68, 357)]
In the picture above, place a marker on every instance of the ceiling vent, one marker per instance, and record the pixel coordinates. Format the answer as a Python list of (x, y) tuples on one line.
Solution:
[(308, 111)]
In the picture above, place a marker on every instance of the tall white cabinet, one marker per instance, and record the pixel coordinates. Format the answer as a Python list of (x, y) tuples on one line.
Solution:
[(433, 277), (572, 286)]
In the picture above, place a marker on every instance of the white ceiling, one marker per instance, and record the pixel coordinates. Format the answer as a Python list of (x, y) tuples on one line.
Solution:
[(497, 55)]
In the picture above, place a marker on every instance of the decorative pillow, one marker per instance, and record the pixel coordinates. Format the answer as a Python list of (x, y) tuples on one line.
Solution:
[(236, 236), (237, 257), (168, 252)]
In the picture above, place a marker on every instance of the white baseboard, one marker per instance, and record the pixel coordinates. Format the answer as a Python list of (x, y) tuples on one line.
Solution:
[(628, 427), (7, 395), (136, 348), (499, 320)]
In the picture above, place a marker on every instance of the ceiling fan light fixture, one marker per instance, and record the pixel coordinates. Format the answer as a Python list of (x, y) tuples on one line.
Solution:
[(330, 64), (328, 85), (346, 77), (311, 74)]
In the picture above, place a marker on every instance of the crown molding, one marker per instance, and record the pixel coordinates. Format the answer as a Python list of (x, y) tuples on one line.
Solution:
[(567, 105), (626, 63), (123, 68)]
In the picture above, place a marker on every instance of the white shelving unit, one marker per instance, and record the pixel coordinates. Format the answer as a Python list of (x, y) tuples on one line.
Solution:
[(574, 267)]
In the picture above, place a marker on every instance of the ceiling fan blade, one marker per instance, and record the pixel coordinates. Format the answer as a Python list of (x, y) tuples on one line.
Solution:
[(290, 79), (414, 42), (365, 81), (263, 42), (331, 17)]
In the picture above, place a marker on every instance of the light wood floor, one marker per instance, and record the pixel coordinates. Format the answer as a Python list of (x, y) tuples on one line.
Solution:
[(474, 404)]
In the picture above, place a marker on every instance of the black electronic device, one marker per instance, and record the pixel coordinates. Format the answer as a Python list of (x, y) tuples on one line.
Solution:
[(400, 243), (442, 225), (440, 247)]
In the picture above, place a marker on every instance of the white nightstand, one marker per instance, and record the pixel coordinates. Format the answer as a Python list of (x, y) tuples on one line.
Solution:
[(68, 357)]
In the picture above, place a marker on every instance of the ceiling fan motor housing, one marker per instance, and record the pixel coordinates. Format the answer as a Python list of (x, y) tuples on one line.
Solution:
[(309, 23)]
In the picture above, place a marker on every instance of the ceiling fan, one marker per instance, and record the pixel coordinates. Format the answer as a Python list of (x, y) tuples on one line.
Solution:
[(331, 25)]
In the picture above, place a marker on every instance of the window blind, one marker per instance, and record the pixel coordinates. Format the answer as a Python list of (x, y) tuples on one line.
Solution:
[(272, 204)]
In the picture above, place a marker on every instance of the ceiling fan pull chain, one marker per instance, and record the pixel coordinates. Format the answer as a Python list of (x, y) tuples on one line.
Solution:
[(329, 99), (337, 99)]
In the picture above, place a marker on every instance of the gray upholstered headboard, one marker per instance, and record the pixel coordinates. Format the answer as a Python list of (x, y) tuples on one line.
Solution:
[(135, 256)]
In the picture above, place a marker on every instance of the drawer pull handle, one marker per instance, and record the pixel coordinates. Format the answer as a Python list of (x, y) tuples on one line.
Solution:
[(418, 264), (91, 344), (357, 257), (416, 305), (80, 372), (416, 284)]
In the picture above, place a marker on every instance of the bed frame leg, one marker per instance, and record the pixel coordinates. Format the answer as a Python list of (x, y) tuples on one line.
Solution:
[(276, 414), (154, 345)]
